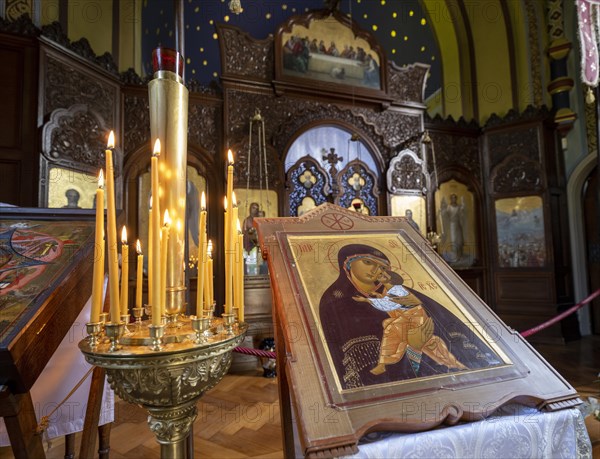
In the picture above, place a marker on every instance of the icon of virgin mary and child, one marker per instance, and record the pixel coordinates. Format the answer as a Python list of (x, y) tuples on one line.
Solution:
[(377, 330)]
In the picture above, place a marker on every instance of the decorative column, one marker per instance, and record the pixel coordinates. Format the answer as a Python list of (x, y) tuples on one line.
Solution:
[(561, 83)]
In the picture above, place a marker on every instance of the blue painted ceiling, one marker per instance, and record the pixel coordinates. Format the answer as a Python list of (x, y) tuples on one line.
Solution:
[(401, 27)]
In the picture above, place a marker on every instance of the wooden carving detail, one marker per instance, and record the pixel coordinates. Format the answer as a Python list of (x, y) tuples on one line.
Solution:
[(405, 173), (285, 116), (136, 121), (253, 177), (203, 126), (66, 85), (407, 83), (523, 142), (454, 150), (245, 56), (517, 173), (17, 23), (74, 137)]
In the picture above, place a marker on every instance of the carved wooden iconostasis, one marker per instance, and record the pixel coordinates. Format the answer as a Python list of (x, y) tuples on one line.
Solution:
[(357, 140)]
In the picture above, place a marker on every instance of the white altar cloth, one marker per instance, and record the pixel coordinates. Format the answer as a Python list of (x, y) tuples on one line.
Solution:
[(62, 372), (513, 431)]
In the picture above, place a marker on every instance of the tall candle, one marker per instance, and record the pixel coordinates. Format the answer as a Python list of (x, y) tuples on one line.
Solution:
[(240, 271), (164, 244), (210, 278), (201, 255), (111, 226), (236, 272), (139, 277), (150, 245), (228, 259), (98, 275), (124, 273), (155, 285)]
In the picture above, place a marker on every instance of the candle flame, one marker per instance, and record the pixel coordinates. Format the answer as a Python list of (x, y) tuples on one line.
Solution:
[(124, 235), (150, 202), (209, 248), (156, 148), (167, 219), (233, 199), (225, 203), (100, 179), (239, 226), (111, 140), (138, 247), (229, 157), (203, 201)]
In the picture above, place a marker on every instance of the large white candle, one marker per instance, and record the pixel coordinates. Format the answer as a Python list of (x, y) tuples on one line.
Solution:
[(111, 230), (98, 275)]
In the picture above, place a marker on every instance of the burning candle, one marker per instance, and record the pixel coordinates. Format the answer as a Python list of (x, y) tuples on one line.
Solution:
[(111, 225), (150, 267), (201, 255), (139, 276), (155, 285), (124, 273), (98, 275)]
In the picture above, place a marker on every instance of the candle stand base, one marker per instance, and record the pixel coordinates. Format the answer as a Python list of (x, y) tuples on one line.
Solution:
[(167, 382), (229, 320)]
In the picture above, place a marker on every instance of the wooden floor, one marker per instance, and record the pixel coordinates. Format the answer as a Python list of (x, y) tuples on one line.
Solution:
[(240, 416)]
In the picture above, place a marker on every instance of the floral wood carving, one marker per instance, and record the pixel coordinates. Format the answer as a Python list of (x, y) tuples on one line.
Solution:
[(407, 83), (286, 116), (522, 141), (517, 173), (454, 150), (74, 137), (203, 126), (21, 25), (405, 173), (65, 85), (136, 121), (244, 56)]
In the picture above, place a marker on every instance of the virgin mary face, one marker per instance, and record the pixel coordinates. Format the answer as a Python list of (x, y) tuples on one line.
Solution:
[(367, 270)]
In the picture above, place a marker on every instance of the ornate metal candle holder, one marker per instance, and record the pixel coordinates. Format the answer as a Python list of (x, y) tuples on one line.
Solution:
[(165, 369)]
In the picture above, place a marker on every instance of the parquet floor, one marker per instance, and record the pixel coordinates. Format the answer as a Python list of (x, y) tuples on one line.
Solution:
[(239, 418)]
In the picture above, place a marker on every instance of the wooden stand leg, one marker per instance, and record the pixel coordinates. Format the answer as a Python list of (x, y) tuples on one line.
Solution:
[(70, 446), (21, 422), (92, 416), (285, 407), (104, 440)]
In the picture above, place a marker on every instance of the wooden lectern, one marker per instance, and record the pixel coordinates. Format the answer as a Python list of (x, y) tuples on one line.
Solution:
[(375, 332), (46, 260)]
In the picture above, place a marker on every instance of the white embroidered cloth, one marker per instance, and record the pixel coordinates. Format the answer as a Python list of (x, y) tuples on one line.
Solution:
[(62, 372), (513, 431)]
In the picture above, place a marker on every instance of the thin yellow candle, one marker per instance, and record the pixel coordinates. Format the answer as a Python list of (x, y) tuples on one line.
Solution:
[(124, 273), (111, 230), (236, 271), (229, 175), (150, 245), (210, 278), (201, 255), (164, 244), (155, 285), (226, 216), (228, 262), (240, 271), (139, 276), (98, 275)]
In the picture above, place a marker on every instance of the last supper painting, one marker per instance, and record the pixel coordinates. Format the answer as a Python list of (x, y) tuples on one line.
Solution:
[(382, 316)]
